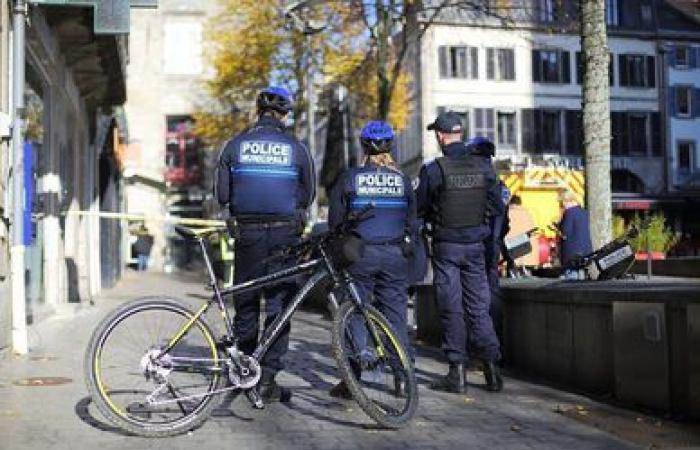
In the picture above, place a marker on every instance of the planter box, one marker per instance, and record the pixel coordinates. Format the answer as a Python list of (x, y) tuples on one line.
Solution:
[(643, 256)]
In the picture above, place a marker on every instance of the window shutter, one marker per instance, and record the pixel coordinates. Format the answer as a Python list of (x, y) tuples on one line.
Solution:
[(527, 117), (490, 125), (671, 57), (474, 57), (672, 101), (462, 70), (656, 141), (693, 55), (695, 103), (651, 71), (579, 68), (538, 131), (536, 75), (510, 58), (574, 132), (624, 134), (566, 72), (623, 69), (442, 58), (611, 69), (490, 74)]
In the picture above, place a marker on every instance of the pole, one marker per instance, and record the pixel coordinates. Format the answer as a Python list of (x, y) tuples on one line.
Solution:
[(19, 315), (310, 122)]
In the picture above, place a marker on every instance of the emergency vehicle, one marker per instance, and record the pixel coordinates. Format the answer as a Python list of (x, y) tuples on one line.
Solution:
[(539, 188)]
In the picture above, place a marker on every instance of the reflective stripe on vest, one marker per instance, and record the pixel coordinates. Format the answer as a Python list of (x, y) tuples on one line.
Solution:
[(264, 179), (386, 191)]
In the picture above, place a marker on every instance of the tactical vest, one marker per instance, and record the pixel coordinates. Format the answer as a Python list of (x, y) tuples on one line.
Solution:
[(386, 190), (462, 200), (264, 178)]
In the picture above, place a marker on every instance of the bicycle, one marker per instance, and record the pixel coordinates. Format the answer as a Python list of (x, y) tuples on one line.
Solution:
[(153, 365)]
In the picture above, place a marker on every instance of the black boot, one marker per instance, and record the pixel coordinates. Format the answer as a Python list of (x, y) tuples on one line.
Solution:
[(452, 382), (494, 381), (270, 391), (341, 390)]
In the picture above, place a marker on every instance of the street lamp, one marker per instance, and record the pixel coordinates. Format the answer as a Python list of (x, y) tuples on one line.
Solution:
[(308, 28)]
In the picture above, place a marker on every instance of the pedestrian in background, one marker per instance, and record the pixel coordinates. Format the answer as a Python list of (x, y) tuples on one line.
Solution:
[(267, 178), (575, 232), (142, 247), (382, 273), (456, 194)]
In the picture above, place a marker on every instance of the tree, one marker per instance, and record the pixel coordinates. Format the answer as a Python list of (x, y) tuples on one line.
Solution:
[(250, 45), (596, 118)]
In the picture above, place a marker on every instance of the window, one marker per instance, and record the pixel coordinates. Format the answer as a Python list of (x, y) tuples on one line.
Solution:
[(500, 64), (458, 62), (686, 153), (546, 10), (182, 48), (637, 70), (611, 12), (484, 123), (541, 130), (683, 101), (506, 129), (636, 133), (550, 66), (579, 69), (682, 57), (638, 139), (550, 130)]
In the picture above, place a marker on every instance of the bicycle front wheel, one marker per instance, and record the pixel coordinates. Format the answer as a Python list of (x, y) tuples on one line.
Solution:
[(374, 365), (138, 386)]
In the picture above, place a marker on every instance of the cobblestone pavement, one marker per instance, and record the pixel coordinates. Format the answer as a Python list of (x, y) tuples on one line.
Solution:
[(524, 416)]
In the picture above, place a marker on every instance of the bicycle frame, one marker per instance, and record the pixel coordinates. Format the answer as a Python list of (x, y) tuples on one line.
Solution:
[(320, 266)]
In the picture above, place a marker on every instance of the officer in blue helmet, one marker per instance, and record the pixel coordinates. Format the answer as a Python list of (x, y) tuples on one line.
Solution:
[(456, 195), (481, 146), (382, 273), (267, 178)]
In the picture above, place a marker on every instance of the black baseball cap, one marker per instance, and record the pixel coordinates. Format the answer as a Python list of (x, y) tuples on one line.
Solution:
[(447, 122)]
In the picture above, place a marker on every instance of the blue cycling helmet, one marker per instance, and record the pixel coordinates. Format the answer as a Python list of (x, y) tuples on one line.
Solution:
[(275, 98), (377, 137), (480, 145)]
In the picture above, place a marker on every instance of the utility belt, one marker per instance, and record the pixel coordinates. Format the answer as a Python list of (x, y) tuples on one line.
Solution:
[(237, 225)]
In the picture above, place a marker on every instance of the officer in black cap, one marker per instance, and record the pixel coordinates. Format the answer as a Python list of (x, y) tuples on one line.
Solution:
[(456, 194), (267, 178)]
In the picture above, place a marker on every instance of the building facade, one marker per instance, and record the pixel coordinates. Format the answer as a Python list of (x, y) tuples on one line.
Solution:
[(164, 162), (520, 85), (75, 76)]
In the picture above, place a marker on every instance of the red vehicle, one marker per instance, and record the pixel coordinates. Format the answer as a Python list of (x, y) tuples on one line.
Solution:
[(183, 160)]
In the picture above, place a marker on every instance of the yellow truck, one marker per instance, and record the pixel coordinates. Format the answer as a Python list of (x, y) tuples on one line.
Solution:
[(539, 189)]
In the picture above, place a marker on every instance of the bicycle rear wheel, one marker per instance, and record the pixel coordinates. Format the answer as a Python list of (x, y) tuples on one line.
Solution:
[(379, 375), (139, 388)]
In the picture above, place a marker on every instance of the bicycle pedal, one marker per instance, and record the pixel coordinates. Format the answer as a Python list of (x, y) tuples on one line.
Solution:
[(254, 398)]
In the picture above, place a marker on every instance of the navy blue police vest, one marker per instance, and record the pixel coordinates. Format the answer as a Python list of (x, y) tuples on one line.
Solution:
[(264, 177), (386, 191)]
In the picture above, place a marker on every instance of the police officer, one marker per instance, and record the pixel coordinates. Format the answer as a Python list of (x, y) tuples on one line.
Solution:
[(483, 147), (455, 194), (267, 178), (383, 270)]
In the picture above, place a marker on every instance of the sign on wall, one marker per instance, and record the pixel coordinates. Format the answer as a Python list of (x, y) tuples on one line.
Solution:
[(111, 16)]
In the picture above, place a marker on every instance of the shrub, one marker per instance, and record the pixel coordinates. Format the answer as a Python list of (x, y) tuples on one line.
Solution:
[(660, 237)]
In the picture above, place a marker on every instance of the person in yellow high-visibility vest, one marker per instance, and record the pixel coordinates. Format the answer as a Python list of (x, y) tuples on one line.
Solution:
[(226, 247)]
